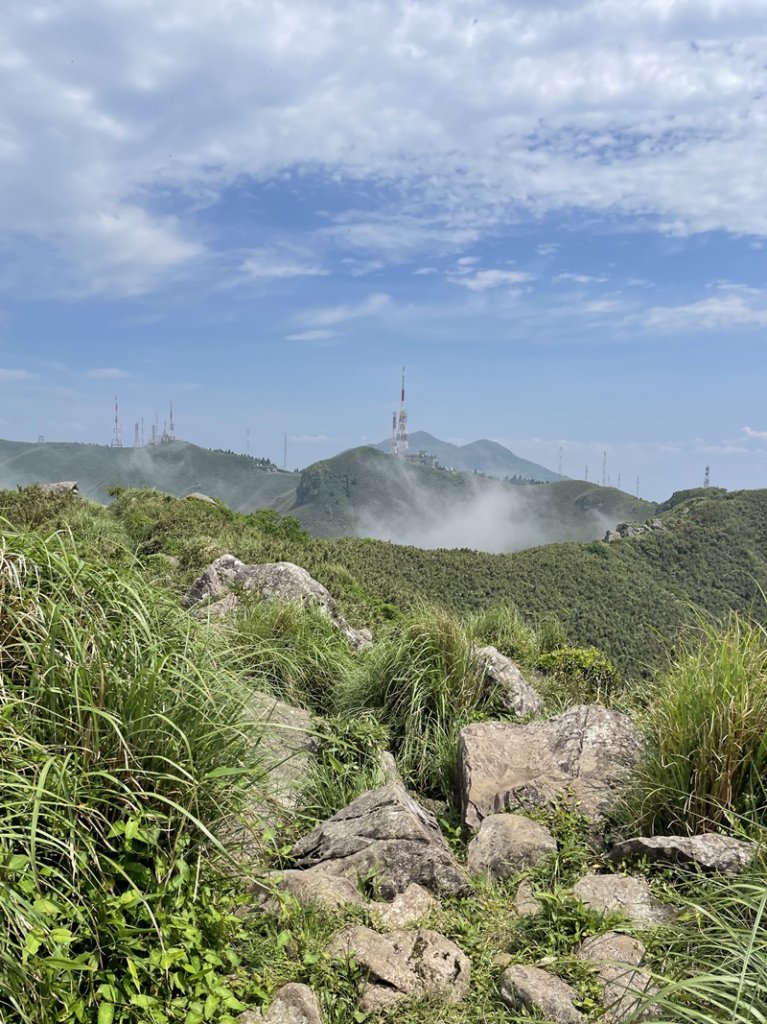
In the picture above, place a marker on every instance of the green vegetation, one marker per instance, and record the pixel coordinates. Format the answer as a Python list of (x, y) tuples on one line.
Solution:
[(127, 749)]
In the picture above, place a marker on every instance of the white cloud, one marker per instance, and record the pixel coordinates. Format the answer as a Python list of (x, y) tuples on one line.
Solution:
[(272, 265), (426, 270), (755, 435), (330, 315), (15, 375), (580, 278), (318, 335), (729, 310), (308, 438), (107, 373), (484, 279), (548, 248)]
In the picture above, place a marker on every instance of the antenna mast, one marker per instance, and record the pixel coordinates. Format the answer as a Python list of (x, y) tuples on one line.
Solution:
[(171, 425), (604, 468), (136, 442), (394, 433), (117, 439), (402, 440), (707, 477)]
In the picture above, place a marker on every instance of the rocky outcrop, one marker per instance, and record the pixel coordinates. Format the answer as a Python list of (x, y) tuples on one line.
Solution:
[(61, 487), (405, 910), (710, 851), (504, 680), (629, 895), (199, 496), (404, 965), (624, 530), (617, 958), (583, 755), (533, 989), (272, 581), (293, 1004), (507, 843), (383, 834)]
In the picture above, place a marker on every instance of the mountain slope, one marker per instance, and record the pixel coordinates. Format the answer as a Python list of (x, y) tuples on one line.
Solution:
[(363, 492), (177, 467), (481, 456)]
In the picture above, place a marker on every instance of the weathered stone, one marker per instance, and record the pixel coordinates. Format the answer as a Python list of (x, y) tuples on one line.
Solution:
[(61, 487), (228, 605), (525, 902), (503, 676), (273, 581), (199, 496), (629, 895), (531, 988), (584, 754), (709, 851), (293, 1004), (507, 843), (404, 965), (318, 889), (623, 987), (385, 835), (410, 906)]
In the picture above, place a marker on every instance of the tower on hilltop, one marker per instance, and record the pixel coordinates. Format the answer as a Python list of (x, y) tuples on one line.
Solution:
[(399, 445)]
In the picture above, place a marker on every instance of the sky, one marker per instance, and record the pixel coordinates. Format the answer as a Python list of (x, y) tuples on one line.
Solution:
[(554, 212)]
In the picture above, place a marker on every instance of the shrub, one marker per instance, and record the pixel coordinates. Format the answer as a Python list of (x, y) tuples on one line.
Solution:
[(706, 761), (584, 673)]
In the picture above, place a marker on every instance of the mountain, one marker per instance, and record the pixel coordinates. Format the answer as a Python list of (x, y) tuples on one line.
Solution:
[(479, 456), (363, 492), (177, 467)]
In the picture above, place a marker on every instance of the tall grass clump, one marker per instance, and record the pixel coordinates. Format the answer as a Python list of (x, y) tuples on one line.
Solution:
[(122, 746), (502, 626), (706, 726), (716, 964), (295, 651), (424, 684)]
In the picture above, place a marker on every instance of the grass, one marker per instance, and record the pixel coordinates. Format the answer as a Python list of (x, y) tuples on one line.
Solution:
[(122, 746), (706, 728)]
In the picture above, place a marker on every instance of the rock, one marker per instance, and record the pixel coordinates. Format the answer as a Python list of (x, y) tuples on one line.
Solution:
[(505, 678), (629, 895), (293, 1004), (584, 755), (318, 889), (272, 581), (525, 902), (507, 843), (404, 965), (410, 906), (199, 496), (530, 988), (709, 851), (385, 835), (388, 772), (617, 957), (228, 605), (61, 487)]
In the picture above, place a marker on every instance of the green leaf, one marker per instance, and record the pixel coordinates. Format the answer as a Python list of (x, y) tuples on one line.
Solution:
[(106, 1013)]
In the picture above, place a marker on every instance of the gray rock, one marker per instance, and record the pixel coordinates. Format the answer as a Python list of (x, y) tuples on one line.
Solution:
[(504, 677), (584, 755), (199, 496), (228, 605), (404, 965), (318, 889), (530, 988), (61, 487), (623, 986), (629, 895), (525, 902), (385, 835), (410, 906), (709, 851), (273, 581), (293, 1004), (507, 843)]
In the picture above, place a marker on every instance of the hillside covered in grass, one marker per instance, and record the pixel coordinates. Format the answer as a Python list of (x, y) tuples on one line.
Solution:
[(170, 779)]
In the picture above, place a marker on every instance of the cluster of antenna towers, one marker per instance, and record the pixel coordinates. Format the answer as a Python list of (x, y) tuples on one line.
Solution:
[(140, 440)]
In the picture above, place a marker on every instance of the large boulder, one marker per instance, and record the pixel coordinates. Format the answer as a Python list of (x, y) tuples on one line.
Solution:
[(710, 851), (583, 755), (629, 895), (505, 680), (402, 965), (385, 835), (271, 581), (61, 487), (532, 989), (507, 843), (616, 958)]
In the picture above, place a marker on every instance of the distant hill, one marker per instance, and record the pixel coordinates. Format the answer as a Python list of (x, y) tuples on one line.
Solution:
[(177, 467), (363, 492), (479, 456)]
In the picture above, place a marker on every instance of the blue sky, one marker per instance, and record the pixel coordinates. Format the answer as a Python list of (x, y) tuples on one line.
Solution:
[(555, 213)]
